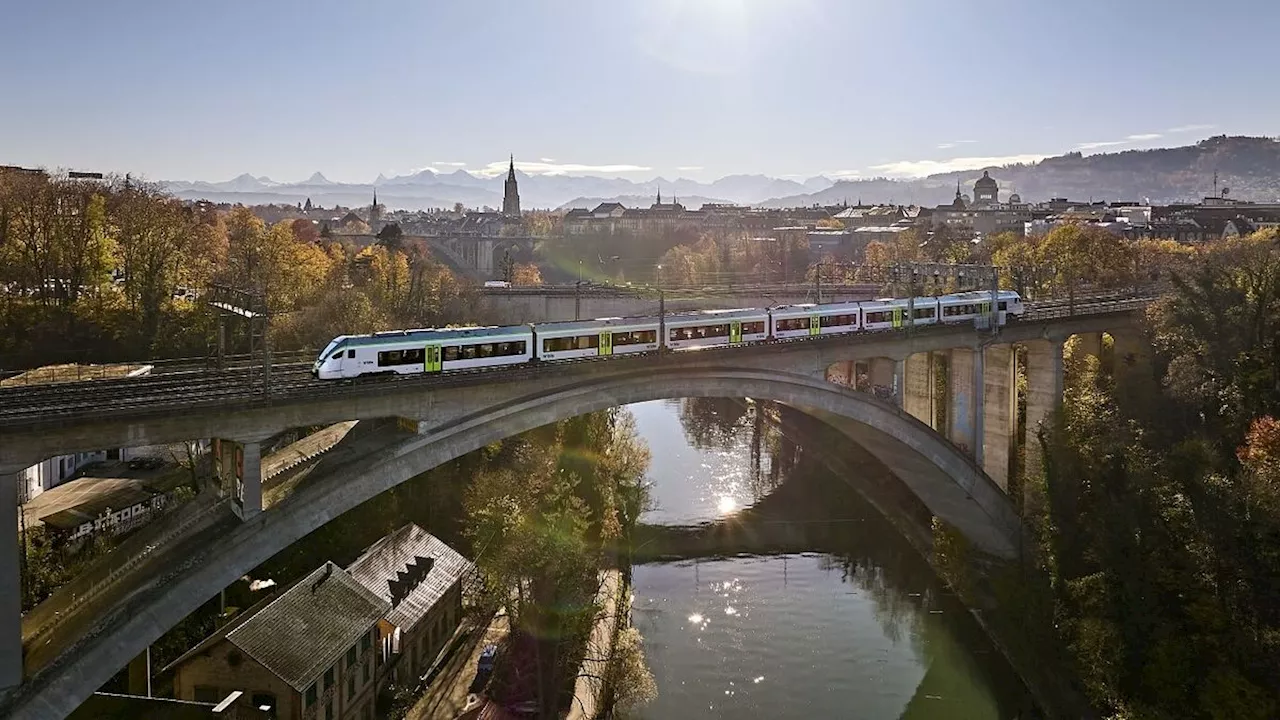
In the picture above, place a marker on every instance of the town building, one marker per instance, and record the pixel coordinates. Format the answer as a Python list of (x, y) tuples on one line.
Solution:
[(421, 577), (310, 652), (322, 648)]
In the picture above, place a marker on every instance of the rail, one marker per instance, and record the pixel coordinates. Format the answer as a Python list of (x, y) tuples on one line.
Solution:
[(45, 404)]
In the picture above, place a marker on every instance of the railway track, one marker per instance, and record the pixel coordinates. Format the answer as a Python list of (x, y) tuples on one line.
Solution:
[(187, 388)]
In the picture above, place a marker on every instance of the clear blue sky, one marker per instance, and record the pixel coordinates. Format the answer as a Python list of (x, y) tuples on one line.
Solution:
[(698, 88)]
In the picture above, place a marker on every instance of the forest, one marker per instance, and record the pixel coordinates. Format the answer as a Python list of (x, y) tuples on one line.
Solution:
[(107, 271), (1158, 515)]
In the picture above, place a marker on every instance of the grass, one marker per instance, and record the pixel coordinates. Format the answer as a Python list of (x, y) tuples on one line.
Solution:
[(69, 373)]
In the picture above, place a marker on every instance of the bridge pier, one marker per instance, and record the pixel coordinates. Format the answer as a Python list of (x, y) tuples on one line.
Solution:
[(964, 406), (919, 400), (1089, 344), (10, 589), (1044, 395), (999, 412), (238, 467)]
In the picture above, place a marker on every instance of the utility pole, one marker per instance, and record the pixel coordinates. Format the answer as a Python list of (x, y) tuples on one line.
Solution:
[(817, 280)]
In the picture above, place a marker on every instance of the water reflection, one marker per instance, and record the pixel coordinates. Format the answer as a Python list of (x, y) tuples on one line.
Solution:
[(859, 627)]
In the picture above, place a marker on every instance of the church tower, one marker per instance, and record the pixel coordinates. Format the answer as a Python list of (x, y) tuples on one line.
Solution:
[(510, 193), (375, 212)]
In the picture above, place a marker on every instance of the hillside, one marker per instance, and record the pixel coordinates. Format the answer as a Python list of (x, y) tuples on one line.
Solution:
[(1249, 166)]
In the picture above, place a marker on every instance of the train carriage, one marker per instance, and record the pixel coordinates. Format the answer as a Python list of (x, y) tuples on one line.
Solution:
[(713, 328), (590, 338), (811, 319), (967, 306), (405, 352)]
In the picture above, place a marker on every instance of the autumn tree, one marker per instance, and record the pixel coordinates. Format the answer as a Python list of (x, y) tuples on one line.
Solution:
[(526, 274)]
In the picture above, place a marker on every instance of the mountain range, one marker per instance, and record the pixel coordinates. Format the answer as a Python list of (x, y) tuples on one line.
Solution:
[(1248, 166)]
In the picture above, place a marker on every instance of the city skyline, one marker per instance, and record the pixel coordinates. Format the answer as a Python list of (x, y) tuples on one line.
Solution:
[(667, 88)]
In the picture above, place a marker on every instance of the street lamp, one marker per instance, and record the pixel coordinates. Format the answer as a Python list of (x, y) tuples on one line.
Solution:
[(662, 312)]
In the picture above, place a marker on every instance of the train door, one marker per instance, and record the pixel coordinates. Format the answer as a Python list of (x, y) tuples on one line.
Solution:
[(606, 343), (815, 325), (433, 363), (897, 318), (735, 331)]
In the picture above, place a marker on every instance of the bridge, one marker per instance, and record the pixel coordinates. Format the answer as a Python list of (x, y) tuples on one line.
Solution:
[(957, 469)]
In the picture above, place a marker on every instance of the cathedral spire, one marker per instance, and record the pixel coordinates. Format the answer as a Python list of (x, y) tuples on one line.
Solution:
[(659, 194), (510, 192)]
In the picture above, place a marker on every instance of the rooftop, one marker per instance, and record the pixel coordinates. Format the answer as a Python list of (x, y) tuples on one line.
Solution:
[(411, 569), (308, 627)]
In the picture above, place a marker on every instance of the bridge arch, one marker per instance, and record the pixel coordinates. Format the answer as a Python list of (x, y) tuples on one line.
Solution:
[(946, 480)]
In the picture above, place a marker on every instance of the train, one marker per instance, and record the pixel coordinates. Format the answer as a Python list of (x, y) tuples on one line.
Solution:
[(442, 350)]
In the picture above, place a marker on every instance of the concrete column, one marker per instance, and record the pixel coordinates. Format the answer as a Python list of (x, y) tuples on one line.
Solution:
[(918, 398), (881, 372), (964, 399), (10, 588), (999, 411), (1044, 395), (979, 403), (900, 382), (140, 674), (1089, 344), (251, 481)]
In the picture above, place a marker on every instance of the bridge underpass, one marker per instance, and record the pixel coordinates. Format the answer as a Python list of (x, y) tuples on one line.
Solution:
[(959, 492)]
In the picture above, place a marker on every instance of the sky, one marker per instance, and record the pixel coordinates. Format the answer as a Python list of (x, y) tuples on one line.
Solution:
[(632, 88)]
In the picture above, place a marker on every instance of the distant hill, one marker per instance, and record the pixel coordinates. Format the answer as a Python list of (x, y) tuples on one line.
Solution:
[(1249, 166)]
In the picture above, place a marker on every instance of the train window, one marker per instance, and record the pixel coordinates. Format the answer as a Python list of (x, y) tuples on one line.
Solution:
[(485, 350), (1003, 306), (468, 352), (336, 355), (835, 320), (923, 313), (753, 328), (451, 353), (787, 324), (638, 337), (388, 358), (351, 354)]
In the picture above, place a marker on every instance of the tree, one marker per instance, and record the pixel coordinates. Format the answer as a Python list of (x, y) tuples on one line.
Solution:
[(526, 274), (391, 236), (305, 231), (507, 267), (307, 207)]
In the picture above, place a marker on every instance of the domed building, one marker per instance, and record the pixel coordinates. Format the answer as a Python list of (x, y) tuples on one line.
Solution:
[(986, 191)]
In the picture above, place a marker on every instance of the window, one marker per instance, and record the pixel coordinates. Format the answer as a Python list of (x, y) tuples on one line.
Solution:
[(328, 678), (351, 354), (753, 328), (788, 324), (924, 313), (836, 320), (470, 352), (351, 656), (265, 700), (208, 694), (366, 642), (561, 344), (365, 667), (328, 710), (637, 337), (339, 354), (1003, 306), (411, 356), (351, 685), (310, 696)]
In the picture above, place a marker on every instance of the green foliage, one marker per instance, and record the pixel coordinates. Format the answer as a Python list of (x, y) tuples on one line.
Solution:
[(1159, 513)]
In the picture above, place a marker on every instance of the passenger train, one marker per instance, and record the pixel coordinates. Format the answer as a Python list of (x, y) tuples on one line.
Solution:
[(433, 350)]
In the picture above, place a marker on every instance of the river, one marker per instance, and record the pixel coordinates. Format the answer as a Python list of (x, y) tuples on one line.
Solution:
[(851, 623)]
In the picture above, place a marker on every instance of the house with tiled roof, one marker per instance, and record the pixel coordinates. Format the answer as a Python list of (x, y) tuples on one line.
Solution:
[(421, 578), (310, 652), (320, 649)]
